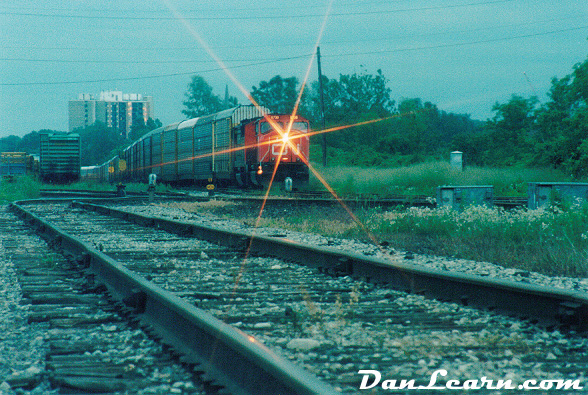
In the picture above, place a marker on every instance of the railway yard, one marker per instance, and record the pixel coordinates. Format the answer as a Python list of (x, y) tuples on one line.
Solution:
[(262, 310)]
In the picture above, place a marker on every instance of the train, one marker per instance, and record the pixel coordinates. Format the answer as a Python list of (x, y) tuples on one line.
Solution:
[(14, 164), (234, 147), (60, 157)]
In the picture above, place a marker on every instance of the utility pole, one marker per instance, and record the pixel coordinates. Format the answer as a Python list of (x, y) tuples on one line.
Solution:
[(226, 102), (322, 96)]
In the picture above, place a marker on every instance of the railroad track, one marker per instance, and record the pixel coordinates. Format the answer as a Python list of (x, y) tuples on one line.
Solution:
[(88, 194), (88, 345), (233, 361), (316, 198), (335, 326)]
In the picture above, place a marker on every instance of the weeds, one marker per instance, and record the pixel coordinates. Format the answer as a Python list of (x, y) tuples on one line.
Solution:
[(424, 178), (27, 187), (551, 241), (20, 188), (51, 260)]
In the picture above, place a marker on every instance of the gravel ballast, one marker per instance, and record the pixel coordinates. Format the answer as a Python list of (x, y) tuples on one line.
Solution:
[(480, 345)]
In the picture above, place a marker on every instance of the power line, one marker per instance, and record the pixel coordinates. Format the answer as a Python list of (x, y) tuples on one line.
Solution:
[(254, 17), (270, 61), (192, 48), (134, 61), (148, 77), (486, 41), (280, 8)]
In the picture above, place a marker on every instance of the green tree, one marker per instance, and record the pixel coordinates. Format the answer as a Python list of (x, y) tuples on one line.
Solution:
[(420, 130), (100, 143), (351, 99), (505, 140), (411, 133), (140, 128), (201, 101), (353, 96), (9, 143), (278, 94), (365, 93), (30, 143), (515, 116), (562, 123)]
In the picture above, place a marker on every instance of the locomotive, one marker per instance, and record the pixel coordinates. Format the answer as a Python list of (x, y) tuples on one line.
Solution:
[(238, 146)]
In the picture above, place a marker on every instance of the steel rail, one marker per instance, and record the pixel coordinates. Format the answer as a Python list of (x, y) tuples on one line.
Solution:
[(551, 306), (232, 358), (84, 193), (294, 198)]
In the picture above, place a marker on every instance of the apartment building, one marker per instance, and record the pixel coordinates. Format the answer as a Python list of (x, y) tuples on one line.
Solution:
[(115, 109)]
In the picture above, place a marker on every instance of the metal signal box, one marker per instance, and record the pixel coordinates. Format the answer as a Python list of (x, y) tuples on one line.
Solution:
[(542, 194), (457, 197)]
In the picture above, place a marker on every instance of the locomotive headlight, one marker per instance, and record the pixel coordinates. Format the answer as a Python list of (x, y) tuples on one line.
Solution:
[(285, 138)]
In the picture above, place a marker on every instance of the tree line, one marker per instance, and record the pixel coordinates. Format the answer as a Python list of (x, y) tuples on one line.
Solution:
[(527, 132), (401, 133), (522, 132)]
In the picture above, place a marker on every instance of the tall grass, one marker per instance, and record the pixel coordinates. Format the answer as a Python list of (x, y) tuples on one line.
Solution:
[(424, 178), (26, 187), (551, 240), (22, 187)]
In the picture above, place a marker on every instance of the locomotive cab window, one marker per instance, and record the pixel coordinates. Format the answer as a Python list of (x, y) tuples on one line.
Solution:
[(300, 126), (266, 127)]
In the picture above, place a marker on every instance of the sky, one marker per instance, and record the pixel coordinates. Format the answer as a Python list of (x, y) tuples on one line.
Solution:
[(462, 55)]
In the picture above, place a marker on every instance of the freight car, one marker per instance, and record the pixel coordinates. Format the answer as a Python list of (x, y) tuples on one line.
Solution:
[(238, 146), (90, 173), (13, 164), (17, 164), (60, 154)]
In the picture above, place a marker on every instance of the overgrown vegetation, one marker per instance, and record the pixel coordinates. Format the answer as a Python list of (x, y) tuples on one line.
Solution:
[(25, 187), (19, 189), (424, 178), (552, 241)]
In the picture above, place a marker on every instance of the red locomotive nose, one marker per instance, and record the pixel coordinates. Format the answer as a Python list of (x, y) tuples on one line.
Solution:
[(285, 147)]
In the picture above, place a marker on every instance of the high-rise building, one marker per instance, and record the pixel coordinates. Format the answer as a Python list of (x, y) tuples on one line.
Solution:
[(113, 108)]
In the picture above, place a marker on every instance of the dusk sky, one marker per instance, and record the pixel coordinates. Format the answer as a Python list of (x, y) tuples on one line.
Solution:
[(462, 55)]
